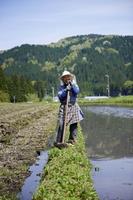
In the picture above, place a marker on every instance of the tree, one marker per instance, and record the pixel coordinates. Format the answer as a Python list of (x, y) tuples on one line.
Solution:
[(18, 88), (40, 89), (128, 88), (3, 83)]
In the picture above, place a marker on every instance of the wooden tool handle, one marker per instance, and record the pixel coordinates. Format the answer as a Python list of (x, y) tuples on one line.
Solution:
[(65, 116)]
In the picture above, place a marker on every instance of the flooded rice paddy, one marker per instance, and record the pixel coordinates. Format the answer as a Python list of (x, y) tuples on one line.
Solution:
[(109, 143)]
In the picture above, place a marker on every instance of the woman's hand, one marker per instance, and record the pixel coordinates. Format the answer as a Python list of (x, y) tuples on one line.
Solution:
[(68, 87)]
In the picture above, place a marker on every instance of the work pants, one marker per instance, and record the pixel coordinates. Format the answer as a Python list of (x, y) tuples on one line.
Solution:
[(72, 132)]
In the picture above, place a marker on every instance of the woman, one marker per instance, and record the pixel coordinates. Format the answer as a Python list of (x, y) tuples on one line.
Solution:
[(74, 113)]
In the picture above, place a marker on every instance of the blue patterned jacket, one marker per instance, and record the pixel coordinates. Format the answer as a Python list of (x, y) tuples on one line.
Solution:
[(62, 93)]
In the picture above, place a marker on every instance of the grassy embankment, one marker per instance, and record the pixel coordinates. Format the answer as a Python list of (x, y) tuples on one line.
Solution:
[(118, 101), (67, 175)]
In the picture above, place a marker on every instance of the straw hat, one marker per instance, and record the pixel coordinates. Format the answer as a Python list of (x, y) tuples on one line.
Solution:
[(66, 73)]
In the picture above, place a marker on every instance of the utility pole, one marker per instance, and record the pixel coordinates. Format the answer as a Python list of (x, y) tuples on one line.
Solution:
[(14, 99), (108, 84), (53, 93)]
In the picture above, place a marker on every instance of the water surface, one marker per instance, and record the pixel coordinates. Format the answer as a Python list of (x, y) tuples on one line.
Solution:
[(31, 182), (109, 143)]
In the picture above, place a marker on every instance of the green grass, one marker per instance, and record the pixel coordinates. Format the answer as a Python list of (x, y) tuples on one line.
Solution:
[(67, 175), (120, 101)]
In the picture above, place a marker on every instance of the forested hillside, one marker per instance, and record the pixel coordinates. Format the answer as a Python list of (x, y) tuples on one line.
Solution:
[(89, 57)]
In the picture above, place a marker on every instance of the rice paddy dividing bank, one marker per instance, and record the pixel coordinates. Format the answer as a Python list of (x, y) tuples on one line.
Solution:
[(116, 101), (67, 175)]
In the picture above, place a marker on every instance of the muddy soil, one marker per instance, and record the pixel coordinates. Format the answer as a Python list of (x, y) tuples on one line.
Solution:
[(24, 131)]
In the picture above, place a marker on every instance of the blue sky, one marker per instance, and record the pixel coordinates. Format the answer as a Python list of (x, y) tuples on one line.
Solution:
[(46, 21)]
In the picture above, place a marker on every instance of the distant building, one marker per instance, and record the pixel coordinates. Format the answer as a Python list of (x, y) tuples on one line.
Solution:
[(95, 97)]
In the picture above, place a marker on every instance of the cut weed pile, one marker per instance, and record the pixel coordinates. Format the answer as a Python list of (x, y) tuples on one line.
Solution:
[(67, 175)]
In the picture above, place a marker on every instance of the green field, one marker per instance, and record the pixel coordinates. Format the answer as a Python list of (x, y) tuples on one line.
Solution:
[(120, 101)]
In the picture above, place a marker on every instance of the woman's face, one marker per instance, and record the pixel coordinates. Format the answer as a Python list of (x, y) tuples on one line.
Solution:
[(67, 79)]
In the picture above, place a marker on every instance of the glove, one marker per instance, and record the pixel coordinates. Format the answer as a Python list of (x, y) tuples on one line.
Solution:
[(73, 82), (68, 87)]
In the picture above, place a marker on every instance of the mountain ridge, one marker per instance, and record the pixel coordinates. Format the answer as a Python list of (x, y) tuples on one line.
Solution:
[(89, 57)]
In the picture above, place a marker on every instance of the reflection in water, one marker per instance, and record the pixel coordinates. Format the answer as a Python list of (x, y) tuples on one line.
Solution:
[(109, 142), (114, 181), (112, 111), (107, 135), (31, 182)]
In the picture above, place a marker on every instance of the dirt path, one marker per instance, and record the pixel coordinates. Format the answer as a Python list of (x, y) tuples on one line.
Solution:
[(23, 133)]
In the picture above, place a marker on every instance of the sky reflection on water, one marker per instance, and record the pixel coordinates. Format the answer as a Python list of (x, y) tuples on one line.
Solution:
[(109, 143)]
